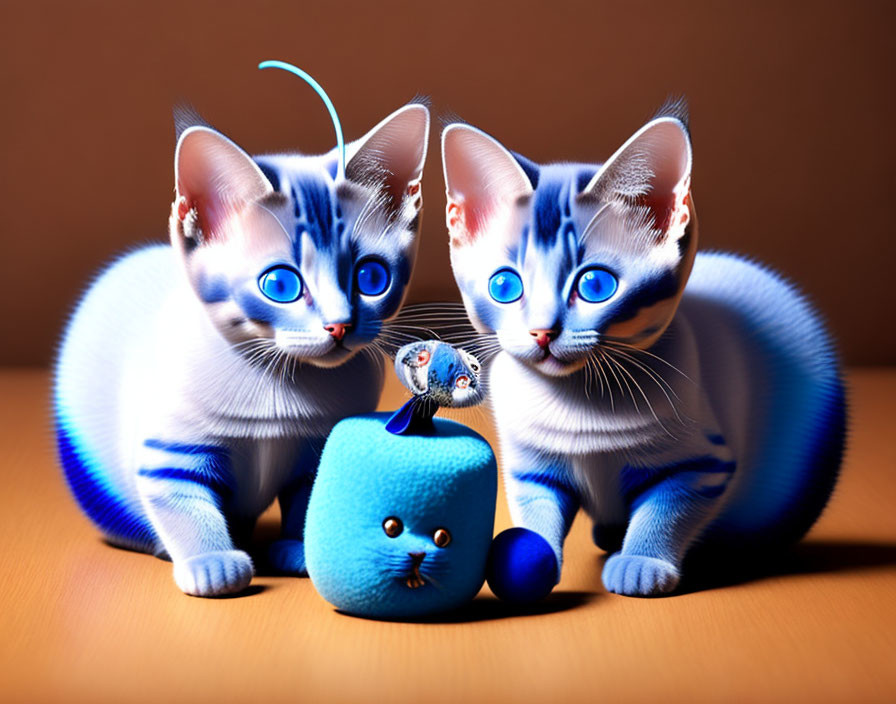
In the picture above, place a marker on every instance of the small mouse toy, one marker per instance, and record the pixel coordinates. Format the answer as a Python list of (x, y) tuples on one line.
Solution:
[(402, 511), (439, 376)]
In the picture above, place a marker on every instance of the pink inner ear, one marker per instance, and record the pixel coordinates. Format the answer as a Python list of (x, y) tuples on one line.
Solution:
[(184, 206), (656, 161), (481, 177), (394, 152), (458, 230), (216, 178), (661, 206), (670, 210)]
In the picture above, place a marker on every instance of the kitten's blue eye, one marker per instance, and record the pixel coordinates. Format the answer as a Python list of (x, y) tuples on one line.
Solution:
[(505, 286), (596, 285), (372, 277), (281, 283)]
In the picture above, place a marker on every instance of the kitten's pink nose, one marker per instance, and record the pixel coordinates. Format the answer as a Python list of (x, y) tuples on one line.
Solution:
[(337, 330), (543, 337)]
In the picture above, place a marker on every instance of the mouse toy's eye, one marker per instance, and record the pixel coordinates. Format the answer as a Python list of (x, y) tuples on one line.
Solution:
[(596, 285), (470, 361), (441, 538), (372, 277), (423, 357), (505, 286), (463, 381), (281, 283), (393, 526)]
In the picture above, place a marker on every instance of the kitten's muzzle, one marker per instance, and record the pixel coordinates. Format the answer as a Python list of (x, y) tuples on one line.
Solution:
[(544, 337), (337, 330)]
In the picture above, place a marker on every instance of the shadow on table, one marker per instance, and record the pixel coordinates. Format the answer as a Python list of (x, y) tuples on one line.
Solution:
[(822, 556), (484, 607), (489, 608)]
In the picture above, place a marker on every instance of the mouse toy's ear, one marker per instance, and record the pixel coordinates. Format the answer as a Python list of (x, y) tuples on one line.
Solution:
[(413, 418)]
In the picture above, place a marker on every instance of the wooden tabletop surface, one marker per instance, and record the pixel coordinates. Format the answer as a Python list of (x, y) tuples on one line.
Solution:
[(81, 621)]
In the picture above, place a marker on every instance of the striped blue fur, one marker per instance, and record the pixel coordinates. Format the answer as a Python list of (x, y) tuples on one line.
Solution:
[(680, 399), (98, 500), (196, 381)]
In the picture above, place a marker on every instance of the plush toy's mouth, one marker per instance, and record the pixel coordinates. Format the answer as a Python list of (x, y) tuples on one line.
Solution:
[(415, 581)]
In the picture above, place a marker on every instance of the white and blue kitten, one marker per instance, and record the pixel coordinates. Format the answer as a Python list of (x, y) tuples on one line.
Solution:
[(676, 399), (196, 382)]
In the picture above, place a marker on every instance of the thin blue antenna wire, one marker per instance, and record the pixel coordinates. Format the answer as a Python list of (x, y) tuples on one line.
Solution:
[(340, 141)]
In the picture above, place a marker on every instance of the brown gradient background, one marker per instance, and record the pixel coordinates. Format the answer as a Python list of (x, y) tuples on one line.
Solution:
[(792, 117), (793, 124)]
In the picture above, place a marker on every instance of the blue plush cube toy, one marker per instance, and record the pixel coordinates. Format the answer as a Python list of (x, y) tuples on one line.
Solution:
[(399, 525)]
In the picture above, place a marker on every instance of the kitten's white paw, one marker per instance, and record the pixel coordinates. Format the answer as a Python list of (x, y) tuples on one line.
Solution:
[(288, 556), (636, 575), (214, 573)]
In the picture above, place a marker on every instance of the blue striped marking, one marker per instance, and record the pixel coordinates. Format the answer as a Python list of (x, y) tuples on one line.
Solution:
[(635, 481), (210, 480), (566, 495), (257, 308), (644, 295), (583, 178), (529, 167), (185, 448), (317, 207), (270, 173), (213, 473), (547, 213), (213, 289)]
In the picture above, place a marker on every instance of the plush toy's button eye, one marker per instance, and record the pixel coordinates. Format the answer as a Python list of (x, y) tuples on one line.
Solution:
[(281, 283), (393, 526), (505, 286), (463, 381), (597, 285), (423, 356), (441, 538)]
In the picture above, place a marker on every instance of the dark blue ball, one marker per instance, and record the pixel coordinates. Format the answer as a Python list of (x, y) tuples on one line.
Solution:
[(522, 567)]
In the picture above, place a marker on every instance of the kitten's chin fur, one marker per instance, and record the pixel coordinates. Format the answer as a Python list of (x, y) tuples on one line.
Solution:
[(335, 357), (553, 366)]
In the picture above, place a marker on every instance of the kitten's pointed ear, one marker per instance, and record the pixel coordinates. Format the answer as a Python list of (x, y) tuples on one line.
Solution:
[(653, 170), (482, 179), (393, 153), (214, 178)]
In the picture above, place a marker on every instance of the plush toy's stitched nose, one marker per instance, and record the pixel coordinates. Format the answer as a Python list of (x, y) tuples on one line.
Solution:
[(337, 330), (417, 558), (543, 337)]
